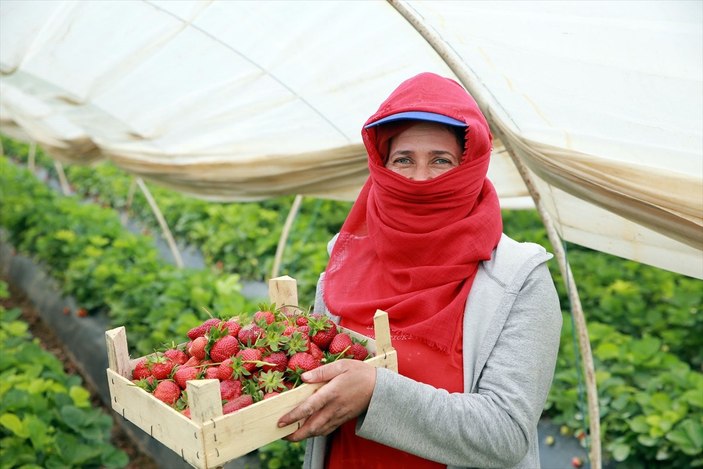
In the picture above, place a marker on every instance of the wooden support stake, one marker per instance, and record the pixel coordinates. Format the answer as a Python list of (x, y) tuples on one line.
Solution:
[(162, 222), (32, 156), (63, 180), (283, 239)]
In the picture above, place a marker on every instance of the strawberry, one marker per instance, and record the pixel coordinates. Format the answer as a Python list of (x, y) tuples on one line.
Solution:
[(203, 328), (167, 391), (322, 330), (224, 348), (271, 394), (264, 318), (340, 344), (160, 366), (212, 372), (238, 403), (184, 374), (230, 389), (277, 361), (197, 348), (178, 356), (315, 351), (302, 362), (186, 412), (359, 351), (192, 361), (224, 370), (140, 370), (251, 358), (249, 334), (233, 326)]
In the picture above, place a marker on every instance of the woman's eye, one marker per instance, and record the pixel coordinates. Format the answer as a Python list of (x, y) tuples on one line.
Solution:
[(402, 160), (443, 161)]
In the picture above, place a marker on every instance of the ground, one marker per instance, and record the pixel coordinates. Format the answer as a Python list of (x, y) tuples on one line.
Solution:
[(50, 342)]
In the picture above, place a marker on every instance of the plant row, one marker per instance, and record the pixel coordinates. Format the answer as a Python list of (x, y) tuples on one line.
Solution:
[(239, 238), (46, 418), (108, 269)]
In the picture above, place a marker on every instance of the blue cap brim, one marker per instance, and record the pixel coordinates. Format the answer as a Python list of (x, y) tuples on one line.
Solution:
[(421, 116)]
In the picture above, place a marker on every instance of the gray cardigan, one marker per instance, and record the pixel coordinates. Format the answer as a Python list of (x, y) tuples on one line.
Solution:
[(512, 325)]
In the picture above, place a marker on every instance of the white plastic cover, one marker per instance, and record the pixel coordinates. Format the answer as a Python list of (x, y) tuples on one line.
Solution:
[(237, 100)]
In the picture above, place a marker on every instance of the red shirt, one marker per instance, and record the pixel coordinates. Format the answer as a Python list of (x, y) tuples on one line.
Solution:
[(418, 361)]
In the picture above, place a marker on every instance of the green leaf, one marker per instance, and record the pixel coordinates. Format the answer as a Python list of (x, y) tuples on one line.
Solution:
[(39, 432), (80, 396), (620, 451), (15, 425), (688, 436), (113, 458), (639, 424)]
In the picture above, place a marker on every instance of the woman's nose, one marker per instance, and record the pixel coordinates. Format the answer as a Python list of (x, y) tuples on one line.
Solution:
[(421, 173)]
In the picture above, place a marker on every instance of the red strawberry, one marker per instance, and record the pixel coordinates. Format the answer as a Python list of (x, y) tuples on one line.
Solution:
[(186, 412), (197, 348), (184, 374), (359, 351), (341, 344), (202, 329), (315, 351), (249, 334), (250, 356), (232, 326), (302, 361), (212, 372), (238, 403), (178, 356), (301, 320), (224, 348), (224, 370), (322, 330), (263, 318), (140, 370), (230, 389), (167, 391), (160, 366), (277, 361), (271, 394), (192, 361)]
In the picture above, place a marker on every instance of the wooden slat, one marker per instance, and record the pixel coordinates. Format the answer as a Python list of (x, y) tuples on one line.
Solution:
[(204, 399), (118, 352), (165, 424), (283, 291)]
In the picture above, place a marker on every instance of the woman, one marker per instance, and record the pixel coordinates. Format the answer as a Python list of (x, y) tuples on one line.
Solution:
[(474, 315)]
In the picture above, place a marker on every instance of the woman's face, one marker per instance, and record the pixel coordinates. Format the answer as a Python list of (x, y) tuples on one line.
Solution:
[(424, 151)]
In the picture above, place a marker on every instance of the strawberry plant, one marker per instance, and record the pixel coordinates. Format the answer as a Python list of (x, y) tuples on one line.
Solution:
[(46, 419)]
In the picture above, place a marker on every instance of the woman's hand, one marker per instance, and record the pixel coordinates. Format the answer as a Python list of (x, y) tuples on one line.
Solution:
[(347, 394)]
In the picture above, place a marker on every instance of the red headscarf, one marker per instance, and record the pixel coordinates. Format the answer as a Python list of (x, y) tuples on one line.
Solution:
[(412, 248)]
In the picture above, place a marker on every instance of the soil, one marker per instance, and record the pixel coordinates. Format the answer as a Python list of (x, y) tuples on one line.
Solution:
[(51, 343)]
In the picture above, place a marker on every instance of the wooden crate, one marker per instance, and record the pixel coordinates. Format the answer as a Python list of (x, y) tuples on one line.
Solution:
[(210, 439)]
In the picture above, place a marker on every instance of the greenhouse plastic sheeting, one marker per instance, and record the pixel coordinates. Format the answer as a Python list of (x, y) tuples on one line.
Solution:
[(248, 100)]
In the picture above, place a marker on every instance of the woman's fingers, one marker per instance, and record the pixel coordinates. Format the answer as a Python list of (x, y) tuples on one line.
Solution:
[(347, 393)]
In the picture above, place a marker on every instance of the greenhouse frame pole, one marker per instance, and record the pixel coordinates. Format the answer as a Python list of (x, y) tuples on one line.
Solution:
[(467, 79), (283, 239), (162, 222)]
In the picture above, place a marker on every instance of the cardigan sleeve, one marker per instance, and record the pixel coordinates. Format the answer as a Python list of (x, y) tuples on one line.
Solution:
[(492, 427)]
